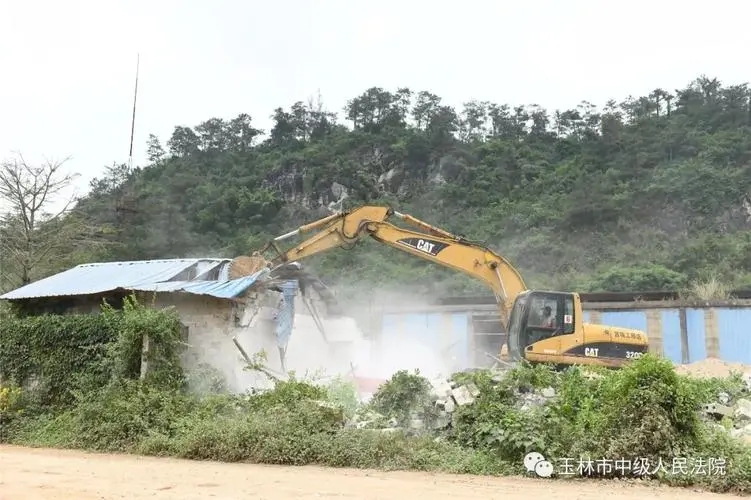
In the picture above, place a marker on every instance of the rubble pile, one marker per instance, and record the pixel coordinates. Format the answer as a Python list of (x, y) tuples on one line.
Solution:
[(732, 413), (734, 416), (446, 397), (712, 368)]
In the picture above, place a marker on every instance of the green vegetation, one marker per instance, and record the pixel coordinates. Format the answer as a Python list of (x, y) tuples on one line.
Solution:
[(645, 411), (650, 193)]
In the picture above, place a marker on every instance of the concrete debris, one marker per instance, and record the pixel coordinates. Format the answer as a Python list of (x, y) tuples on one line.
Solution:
[(548, 392), (729, 414), (531, 400), (446, 405), (743, 410), (441, 388), (369, 420), (723, 398), (534, 399), (446, 394), (450, 406), (718, 410), (441, 422), (737, 418), (742, 433), (462, 395)]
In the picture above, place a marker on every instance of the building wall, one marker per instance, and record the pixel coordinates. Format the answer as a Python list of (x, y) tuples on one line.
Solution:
[(686, 333), (211, 325), (682, 332)]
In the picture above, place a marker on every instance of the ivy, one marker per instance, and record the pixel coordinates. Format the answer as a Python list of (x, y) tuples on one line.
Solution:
[(57, 355), (164, 343)]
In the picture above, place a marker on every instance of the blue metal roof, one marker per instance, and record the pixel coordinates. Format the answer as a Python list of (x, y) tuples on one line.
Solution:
[(220, 289), (170, 275)]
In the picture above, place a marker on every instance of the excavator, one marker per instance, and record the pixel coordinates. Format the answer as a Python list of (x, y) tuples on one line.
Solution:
[(541, 326)]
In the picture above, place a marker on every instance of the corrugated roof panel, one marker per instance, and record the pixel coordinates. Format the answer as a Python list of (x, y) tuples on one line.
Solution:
[(219, 289), (102, 277)]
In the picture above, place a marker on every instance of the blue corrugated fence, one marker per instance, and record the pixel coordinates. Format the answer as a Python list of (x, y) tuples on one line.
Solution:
[(697, 340), (734, 331), (671, 335)]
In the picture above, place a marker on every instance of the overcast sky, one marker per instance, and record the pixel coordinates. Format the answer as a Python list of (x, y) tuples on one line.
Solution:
[(68, 67)]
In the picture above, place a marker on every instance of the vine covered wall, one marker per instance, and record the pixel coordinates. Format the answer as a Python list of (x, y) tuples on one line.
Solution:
[(56, 354)]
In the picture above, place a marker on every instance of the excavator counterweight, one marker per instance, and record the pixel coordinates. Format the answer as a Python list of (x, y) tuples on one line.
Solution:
[(541, 326)]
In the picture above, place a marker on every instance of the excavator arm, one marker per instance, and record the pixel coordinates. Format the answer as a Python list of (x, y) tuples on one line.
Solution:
[(426, 241)]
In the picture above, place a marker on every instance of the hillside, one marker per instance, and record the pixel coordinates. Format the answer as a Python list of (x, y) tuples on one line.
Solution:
[(650, 193)]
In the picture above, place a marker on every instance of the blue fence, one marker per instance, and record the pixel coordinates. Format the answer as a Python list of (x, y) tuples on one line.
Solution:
[(720, 332)]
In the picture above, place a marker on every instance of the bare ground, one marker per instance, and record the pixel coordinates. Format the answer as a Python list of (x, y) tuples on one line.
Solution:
[(29, 474)]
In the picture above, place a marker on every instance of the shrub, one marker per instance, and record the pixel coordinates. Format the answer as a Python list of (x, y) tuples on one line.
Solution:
[(10, 408), (404, 397), (643, 412)]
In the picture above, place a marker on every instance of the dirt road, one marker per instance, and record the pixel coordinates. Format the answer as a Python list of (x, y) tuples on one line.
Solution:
[(30, 474)]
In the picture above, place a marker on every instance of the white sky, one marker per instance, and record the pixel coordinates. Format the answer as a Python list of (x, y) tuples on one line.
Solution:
[(68, 67)]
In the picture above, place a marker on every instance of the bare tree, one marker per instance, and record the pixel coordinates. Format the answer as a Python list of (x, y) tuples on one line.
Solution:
[(30, 232)]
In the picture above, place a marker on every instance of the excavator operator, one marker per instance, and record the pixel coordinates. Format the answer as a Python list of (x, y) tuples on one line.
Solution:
[(548, 321)]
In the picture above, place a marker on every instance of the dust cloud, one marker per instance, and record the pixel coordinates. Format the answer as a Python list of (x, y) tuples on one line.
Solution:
[(345, 351), (348, 351)]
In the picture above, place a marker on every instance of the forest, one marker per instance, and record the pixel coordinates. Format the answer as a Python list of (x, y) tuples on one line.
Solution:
[(645, 193)]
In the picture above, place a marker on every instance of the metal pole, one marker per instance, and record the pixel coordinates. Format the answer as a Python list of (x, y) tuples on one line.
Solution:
[(133, 120)]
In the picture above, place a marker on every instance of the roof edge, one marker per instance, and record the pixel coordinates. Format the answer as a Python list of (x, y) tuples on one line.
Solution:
[(113, 262)]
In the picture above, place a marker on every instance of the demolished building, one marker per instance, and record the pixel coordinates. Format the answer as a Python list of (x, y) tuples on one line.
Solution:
[(256, 310)]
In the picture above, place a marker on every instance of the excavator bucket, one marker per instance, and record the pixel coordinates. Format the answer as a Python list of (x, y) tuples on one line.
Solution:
[(246, 265)]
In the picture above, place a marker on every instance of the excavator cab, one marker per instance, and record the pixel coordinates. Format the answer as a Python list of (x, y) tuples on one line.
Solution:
[(538, 316)]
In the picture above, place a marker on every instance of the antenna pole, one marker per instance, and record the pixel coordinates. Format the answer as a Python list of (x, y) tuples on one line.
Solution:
[(133, 120)]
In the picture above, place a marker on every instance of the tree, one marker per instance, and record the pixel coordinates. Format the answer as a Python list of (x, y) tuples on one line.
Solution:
[(36, 230), (566, 194), (154, 150)]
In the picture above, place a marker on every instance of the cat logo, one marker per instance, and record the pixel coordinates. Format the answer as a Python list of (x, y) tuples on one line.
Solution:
[(425, 246), (430, 247), (591, 352)]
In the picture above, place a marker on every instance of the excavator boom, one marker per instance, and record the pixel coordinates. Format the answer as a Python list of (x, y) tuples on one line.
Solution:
[(430, 243)]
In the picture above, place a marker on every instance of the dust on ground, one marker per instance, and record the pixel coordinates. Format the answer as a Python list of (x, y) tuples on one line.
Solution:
[(31, 474), (711, 368)]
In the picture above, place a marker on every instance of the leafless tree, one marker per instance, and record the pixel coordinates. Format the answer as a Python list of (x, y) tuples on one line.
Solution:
[(30, 232)]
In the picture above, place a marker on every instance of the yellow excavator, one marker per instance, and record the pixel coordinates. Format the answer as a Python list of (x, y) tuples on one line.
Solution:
[(541, 326)]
